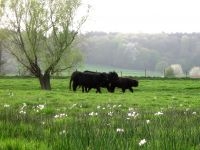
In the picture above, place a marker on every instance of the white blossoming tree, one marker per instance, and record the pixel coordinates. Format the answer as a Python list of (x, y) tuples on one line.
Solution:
[(174, 70), (195, 72)]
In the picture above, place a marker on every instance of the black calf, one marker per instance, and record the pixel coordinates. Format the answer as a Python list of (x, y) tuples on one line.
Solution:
[(124, 83)]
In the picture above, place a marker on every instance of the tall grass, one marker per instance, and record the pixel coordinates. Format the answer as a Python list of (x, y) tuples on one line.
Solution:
[(108, 126)]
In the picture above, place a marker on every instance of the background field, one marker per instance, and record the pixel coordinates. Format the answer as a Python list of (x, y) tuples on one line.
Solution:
[(122, 72), (160, 114)]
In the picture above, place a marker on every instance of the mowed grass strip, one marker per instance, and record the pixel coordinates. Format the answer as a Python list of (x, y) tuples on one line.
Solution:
[(150, 93)]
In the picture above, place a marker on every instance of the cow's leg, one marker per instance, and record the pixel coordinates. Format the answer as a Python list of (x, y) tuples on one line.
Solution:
[(74, 86), (130, 88), (88, 89), (108, 88), (98, 90), (83, 88), (123, 90), (112, 89)]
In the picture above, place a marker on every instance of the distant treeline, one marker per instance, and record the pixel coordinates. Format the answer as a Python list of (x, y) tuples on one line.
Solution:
[(140, 51)]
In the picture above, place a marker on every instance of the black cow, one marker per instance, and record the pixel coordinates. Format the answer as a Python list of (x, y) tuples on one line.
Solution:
[(111, 77), (124, 83), (89, 80), (75, 79)]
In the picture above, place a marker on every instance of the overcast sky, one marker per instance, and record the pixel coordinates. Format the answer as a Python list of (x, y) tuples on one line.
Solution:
[(146, 16)]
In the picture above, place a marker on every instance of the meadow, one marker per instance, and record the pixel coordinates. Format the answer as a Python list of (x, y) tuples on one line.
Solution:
[(160, 114)]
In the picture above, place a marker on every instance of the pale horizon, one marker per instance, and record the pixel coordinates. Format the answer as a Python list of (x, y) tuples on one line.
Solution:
[(143, 16)]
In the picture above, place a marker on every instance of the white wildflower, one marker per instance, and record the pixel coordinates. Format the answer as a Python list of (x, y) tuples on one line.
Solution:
[(6, 105), (142, 142), (120, 105), (98, 107), (93, 114), (133, 114), (108, 106), (40, 106), (120, 130), (109, 124), (110, 113), (114, 106), (22, 112), (11, 94), (73, 106), (63, 115), (60, 115), (147, 121), (187, 109), (56, 116), (158, 113), (24, 105), (62, 132), (130, 109), (194, 113)]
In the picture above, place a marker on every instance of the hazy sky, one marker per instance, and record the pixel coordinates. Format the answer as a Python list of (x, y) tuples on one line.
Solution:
[(147, 16)]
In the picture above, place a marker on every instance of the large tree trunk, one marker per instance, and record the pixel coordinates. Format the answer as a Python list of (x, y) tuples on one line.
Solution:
[(45, 81), (1, 57)]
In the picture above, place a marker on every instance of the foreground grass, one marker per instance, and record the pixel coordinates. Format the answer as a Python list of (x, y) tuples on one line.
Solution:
[(160, 114)]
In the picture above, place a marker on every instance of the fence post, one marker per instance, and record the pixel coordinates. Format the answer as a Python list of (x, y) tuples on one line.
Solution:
[(164, 72), (121, 73), (145, 72), (186, 74)]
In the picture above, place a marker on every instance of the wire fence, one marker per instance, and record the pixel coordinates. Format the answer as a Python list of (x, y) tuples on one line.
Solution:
[(146, 73)]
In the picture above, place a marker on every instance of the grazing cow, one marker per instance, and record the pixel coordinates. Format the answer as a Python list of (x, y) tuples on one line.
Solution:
[(75, 77), (89, 80), (111, 77), (124, 83)]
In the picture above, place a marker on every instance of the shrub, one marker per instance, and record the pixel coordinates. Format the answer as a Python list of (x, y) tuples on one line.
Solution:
[(195, 72), (174, 70), (169, 72)]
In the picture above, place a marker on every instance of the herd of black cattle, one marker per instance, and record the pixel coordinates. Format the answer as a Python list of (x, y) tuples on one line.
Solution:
[(88, 80)]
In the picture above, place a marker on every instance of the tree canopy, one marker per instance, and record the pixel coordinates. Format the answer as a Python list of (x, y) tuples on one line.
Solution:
[(141, 51), (41, 34)]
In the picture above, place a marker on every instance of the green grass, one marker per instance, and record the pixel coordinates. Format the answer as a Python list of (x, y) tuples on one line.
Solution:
[(63, 119), (150, 93)]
